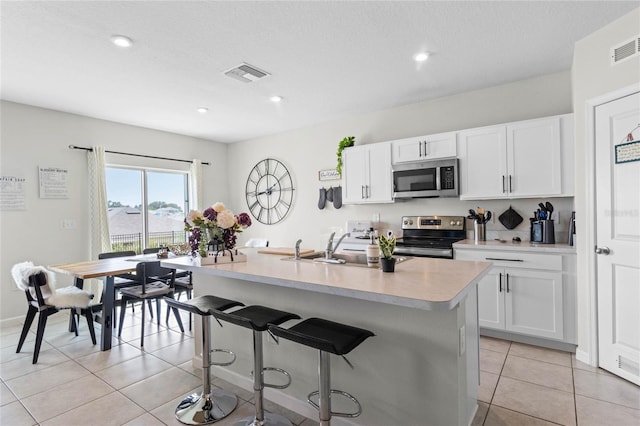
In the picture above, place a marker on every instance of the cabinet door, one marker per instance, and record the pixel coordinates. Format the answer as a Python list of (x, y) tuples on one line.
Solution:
[(483, 169), (533, 303), (429, 147), (491, 300), (354, 170), (534, 158), (378, 189)]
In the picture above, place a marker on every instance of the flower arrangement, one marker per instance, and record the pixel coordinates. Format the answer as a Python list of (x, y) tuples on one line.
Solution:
[(387, 245), (216, 226)]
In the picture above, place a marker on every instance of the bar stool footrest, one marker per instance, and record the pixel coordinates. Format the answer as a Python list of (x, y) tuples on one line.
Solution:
[(225, 363), (334, 413), (277, 370)]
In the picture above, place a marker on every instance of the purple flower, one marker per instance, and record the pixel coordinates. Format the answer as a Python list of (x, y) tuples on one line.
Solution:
[(244, 220), (210, 214)]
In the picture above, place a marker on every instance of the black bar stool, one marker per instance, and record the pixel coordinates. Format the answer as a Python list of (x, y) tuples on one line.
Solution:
[(210, 405), (329, 338), (258, 318)]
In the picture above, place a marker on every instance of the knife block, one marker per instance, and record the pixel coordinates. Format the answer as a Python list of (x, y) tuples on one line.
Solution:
[(543, 231)]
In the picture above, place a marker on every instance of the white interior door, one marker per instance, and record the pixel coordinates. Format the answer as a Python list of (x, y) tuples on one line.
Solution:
[(618, 235)]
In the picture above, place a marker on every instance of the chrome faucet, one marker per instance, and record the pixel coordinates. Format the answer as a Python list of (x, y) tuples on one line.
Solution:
[(297, 255), (328, 253)]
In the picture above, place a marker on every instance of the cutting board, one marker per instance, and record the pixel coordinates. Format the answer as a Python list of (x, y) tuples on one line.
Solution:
[(284, 251)]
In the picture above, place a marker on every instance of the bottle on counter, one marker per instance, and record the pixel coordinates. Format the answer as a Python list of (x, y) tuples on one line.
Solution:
[(373, 251)]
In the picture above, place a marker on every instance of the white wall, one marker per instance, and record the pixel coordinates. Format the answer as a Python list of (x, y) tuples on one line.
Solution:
[(306, 151), (594, 76), (33, 137)]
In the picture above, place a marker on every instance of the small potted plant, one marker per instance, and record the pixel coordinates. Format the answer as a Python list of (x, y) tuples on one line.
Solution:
[(387, 246)]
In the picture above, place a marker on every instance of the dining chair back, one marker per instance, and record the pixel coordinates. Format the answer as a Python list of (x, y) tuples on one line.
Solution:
[(44, 299)]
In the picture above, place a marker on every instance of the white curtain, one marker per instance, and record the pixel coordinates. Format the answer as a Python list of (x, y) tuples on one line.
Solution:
[(195, 185), (99, 241)]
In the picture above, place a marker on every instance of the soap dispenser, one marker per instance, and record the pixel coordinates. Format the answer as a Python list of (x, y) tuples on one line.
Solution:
[(373, 251)]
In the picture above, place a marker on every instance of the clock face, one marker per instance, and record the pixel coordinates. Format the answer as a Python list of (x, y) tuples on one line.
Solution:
[(269, 191)]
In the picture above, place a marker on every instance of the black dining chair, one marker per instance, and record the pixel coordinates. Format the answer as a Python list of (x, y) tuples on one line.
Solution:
[(183, 285), (156, 282), (44, 299)]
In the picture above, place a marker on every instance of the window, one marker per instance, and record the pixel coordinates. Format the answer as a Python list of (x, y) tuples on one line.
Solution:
[(146, 207)]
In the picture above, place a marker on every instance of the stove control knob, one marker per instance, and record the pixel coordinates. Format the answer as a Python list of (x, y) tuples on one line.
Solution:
[(458, 223), (452, 223), (410, 222)]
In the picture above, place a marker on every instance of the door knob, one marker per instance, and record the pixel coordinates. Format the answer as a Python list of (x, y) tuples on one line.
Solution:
[(603, 250)]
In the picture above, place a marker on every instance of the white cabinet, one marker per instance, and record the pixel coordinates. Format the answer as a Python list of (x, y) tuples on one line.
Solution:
[(366, 174), (523, 293), (526, 159), (420, 148)]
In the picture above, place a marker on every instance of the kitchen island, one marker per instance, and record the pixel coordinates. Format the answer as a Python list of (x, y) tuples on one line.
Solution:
[(421, 368)]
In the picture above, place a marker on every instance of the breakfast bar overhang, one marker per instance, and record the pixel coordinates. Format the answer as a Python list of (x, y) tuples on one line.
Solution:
[(421, 368)]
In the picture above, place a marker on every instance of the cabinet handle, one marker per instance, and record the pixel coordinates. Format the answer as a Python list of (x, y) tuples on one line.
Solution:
[(500, 284), (425, 148), (420, 148), (510, 189), (362, 192), (368, 191), (507, 283), (503, 189), (504, 260)]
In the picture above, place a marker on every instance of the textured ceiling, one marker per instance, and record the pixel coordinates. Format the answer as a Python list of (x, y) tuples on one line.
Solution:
[(327, 59)]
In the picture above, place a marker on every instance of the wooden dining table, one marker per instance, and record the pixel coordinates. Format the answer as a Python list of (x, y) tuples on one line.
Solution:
[(105, 269)]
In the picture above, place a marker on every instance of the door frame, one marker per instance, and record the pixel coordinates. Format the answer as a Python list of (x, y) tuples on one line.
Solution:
[(591, 356)]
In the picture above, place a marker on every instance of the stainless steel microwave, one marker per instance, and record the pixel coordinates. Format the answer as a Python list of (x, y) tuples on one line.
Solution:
[(423, 179)]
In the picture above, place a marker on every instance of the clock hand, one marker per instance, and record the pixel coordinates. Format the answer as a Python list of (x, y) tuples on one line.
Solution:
[(268, 190)]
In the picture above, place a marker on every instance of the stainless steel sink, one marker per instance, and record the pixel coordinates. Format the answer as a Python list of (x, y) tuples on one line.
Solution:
[(340, 258)]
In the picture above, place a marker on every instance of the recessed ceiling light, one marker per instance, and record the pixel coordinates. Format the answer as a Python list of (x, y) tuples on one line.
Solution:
[(276, 98), (121, 41), (421, 57), (202, 110)]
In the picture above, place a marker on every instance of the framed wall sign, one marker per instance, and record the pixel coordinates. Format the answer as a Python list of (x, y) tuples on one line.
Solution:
[(328, 174)]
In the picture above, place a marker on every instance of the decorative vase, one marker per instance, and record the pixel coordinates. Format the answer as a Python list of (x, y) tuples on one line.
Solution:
[(388, 265)]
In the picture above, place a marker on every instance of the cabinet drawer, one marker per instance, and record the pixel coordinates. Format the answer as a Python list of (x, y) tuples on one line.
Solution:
[(551, 262)]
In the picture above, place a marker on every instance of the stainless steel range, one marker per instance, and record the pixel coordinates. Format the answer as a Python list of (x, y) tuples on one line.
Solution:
[(430, 236)]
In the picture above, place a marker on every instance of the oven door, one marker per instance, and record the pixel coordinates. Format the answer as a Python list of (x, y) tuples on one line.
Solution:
[(446, 253)]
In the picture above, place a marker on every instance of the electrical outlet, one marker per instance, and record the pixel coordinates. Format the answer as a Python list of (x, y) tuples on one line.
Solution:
[(462, 340), (68, 224)]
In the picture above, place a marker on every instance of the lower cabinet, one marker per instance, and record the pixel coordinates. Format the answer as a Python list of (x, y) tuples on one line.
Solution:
[(523, 293)]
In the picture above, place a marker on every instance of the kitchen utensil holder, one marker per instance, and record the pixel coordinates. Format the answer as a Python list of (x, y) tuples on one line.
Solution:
[(543, 231), (479, 231)]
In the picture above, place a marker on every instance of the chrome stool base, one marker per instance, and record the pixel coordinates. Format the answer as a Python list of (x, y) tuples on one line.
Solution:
[(270, 419), (198, 409)]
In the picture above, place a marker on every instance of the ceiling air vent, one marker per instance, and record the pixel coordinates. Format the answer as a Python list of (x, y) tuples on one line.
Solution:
[(626, 50), (246, 73)]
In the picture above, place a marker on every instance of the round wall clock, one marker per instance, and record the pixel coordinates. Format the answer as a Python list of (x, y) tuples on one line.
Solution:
[(269, 191)]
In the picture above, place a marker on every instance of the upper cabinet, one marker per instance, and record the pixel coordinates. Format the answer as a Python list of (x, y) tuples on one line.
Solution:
[(526, 159), (430, 147), (366, 174)]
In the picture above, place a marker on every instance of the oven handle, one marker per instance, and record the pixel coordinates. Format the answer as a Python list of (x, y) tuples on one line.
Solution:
[(408, 251)]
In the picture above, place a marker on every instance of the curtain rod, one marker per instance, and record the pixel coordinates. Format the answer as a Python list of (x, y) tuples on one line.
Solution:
[(139, 155)]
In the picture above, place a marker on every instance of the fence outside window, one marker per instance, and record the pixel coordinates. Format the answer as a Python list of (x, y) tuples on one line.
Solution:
[(124, 242)]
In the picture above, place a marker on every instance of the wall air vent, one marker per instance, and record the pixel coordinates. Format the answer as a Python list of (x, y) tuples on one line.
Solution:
[(246, 73), (626, 50)]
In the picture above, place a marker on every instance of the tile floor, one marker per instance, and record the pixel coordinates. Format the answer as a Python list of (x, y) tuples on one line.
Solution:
[(76, 384)]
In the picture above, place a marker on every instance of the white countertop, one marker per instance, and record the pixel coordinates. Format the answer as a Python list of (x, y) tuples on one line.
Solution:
[(511, 246), (423, 283)]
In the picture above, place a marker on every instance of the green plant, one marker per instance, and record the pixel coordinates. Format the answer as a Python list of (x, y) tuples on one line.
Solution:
[(387, 245), (344, 143)]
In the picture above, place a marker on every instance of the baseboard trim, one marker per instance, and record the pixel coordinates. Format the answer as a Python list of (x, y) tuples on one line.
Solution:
[(11, 322), (529, 340)]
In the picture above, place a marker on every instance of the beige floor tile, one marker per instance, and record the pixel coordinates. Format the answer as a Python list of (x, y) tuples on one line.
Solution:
[(176, 354), (6, 396), (8, 353), (189, 368), (12, 339), (166, 412), (10, 328), (491, 361), (132, 333), (481, 414), (162, 339), (310, 422), (154, 391), (498, 416), (15, 414), (100, 360), (592, 412), (52, 403), (110, 410), (48, 378), (144, 420), (488, 383), (245, 395), (607, 388), (21, 366), (293, 417), (541, 373), (540, 354), (133, 370), (535, 400), (82, 348), (496, 345)]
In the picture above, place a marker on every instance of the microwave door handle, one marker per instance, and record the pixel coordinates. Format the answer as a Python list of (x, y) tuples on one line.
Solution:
[(438, 186)]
